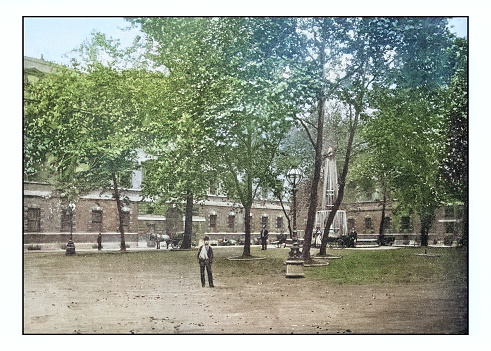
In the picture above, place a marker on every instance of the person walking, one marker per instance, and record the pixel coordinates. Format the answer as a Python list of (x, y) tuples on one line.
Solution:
[(99, 242), (205, 259), (264, 238), (317, 236)]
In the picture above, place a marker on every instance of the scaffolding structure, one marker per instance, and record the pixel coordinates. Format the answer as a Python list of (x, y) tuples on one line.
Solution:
[(339, 226)]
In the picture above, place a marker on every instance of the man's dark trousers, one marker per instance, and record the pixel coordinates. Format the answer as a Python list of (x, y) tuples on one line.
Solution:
[(202, 265)]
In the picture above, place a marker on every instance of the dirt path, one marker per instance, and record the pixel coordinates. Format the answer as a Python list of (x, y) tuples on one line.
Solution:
[(117, 301)]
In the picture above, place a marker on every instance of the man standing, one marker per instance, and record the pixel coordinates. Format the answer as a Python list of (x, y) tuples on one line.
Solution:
[(353, 236), (264, 238), (205, 259)]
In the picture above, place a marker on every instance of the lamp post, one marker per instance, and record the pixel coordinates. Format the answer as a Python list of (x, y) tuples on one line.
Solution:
[(294, 265), (294, 177), (70, 246)]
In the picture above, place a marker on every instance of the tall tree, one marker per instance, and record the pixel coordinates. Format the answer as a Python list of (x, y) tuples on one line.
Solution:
[(181, 170), (454, 176), (409, 116), (227, 76), (378, 51), (87, 126), (258, 110), (320, 52), (407, 135), (345, 56)]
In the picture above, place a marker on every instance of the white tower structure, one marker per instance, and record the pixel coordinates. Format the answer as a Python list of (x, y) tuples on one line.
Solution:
[(339, 226), (330, 188)]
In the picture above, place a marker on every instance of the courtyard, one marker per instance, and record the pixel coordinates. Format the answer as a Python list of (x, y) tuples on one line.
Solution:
[(361, 291)]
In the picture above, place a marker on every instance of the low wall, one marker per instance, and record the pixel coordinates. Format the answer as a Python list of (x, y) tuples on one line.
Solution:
[(54, 241)]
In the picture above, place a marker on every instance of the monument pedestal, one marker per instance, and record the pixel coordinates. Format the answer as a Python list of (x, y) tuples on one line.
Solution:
[(294, 268)]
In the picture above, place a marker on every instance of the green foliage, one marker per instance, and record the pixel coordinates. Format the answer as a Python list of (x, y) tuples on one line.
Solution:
[(454, 168), (85, 127), (406, 139), (406, 133), (226, 96)]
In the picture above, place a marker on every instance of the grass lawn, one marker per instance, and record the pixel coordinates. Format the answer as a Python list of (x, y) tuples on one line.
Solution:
[(402, 265)]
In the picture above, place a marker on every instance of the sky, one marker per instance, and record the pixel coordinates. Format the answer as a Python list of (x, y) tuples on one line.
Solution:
[(55, 37)]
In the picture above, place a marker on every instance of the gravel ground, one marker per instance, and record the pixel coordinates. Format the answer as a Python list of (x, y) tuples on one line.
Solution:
[(74, 298)]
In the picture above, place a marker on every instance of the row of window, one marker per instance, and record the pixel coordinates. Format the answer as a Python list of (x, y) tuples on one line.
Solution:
[(405, 224), (369, 226), (231, 221), (33, 218), (34, 221)]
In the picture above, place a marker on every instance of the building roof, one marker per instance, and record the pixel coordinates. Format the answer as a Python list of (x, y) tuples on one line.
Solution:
[(39, 65)]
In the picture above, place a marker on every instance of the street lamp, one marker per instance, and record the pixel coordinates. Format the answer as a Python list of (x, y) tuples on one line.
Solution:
[(294, 177), (70, 246), (294, 263)]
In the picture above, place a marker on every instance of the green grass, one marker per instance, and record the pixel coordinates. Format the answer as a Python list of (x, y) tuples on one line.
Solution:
[(394, 266)]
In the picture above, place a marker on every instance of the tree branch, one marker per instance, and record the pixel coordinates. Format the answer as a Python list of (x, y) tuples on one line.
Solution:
[(304, 125)]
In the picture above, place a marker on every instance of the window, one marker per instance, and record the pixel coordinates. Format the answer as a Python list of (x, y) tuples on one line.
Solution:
[(279, 222), (66, 220), (151, 228), (449, 213), (405, 223), (196, 209), (264, 221), (33, 219), (351, 223), (96, 222), (459, 212), (387, 223), (213, 188), (449, 227), (125, 218), (368, 224), (213, 221), (231, 220)]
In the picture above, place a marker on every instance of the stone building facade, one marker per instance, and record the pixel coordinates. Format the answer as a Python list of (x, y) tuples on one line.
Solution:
[(400, 229), (48, 221)]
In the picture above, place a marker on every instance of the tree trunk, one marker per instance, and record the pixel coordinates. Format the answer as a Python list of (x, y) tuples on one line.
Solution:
[(341, 183), (426, 221), (286, 216), (307, 243), (188, 221), (465, 223), (424, 236), (425, 228), (247, 238), (382, 221), (120, 212)]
